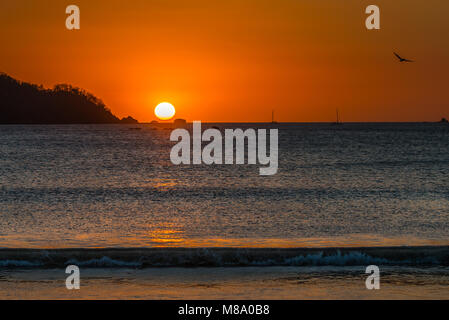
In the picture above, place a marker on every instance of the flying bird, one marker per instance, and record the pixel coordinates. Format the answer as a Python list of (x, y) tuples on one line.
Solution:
[(402, 59)]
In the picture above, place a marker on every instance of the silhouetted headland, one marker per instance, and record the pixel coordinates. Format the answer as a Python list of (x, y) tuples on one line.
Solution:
[(26, 103)]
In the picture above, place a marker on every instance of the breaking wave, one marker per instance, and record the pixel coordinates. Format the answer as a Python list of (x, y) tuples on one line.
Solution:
[(223, 257)]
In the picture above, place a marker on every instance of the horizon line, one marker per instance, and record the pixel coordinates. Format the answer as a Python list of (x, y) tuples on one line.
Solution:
[(290, 122)]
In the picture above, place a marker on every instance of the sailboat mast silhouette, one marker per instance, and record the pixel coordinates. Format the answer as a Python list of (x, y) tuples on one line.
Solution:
[(338, 118)]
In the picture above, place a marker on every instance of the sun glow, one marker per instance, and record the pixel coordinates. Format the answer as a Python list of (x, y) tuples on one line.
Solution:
[(164, 111)]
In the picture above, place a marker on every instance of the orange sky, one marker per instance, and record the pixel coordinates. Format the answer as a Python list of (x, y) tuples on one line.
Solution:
[(237, 60)]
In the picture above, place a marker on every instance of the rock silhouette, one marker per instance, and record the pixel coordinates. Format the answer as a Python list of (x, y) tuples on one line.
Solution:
[(26, 103)]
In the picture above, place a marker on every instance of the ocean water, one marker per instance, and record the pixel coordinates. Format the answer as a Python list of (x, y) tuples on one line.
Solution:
[(355, 187), (292, 283)]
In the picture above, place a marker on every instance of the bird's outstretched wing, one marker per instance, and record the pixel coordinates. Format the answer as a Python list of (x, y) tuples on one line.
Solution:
[(398, 56), (407, 60)]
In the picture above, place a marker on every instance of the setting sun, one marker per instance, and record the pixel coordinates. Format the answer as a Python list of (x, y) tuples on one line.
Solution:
[(164, 111)]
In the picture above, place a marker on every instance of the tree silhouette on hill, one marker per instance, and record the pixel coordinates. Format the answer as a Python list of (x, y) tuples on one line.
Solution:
[(25, 103)]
